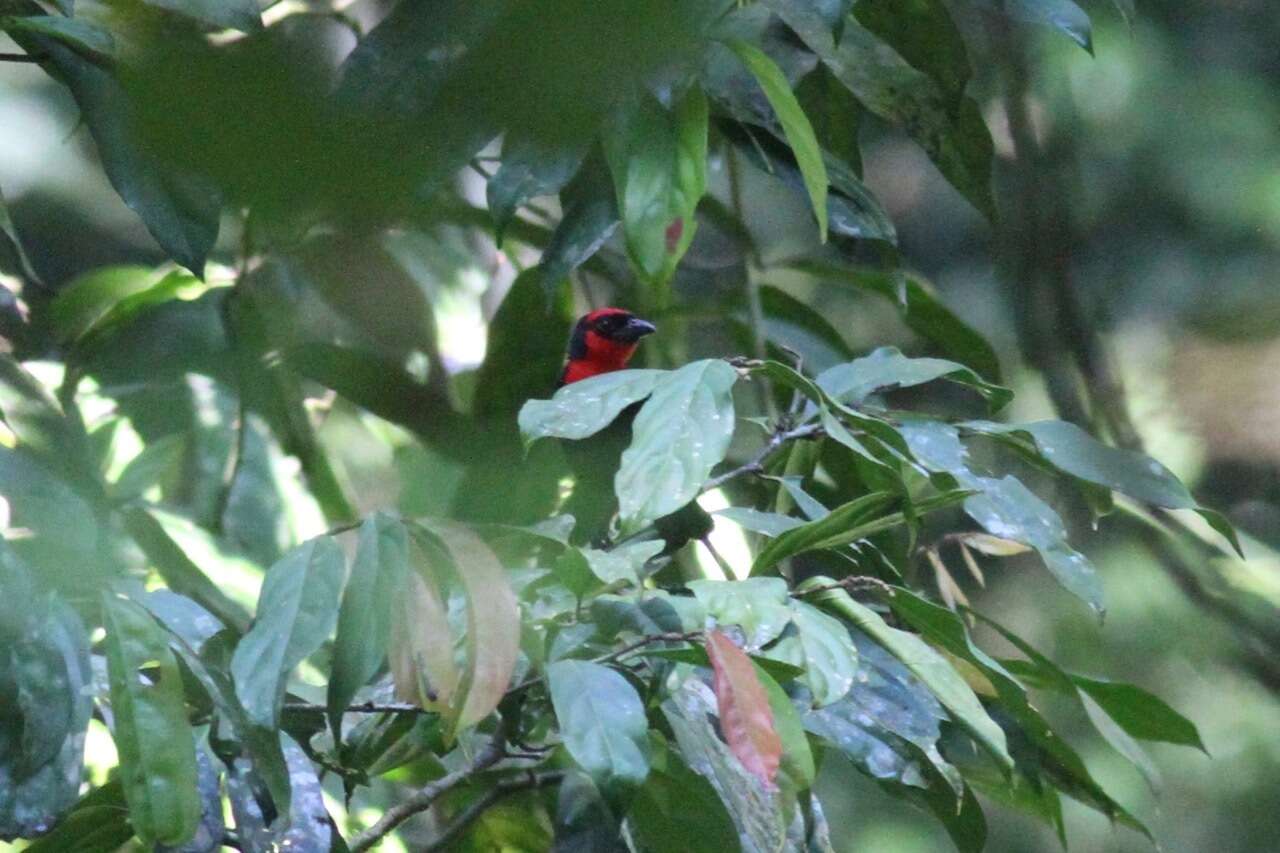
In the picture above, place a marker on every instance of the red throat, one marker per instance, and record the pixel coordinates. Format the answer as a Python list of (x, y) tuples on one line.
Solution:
[(603, 356)]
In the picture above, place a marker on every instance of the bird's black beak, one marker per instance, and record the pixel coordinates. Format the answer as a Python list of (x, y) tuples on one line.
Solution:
[(635, 330)]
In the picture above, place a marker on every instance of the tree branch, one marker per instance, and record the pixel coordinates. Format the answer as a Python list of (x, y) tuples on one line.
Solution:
[(527, 781), (421, 800), (755, 465), (20, 57)]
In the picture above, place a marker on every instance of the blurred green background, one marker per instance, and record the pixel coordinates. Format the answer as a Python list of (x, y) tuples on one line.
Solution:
[(1171, 140)]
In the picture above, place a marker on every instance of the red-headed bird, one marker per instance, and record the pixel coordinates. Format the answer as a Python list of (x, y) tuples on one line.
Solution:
[(602, 342)]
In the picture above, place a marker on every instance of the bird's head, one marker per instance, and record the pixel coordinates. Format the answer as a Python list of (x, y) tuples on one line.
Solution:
[(603, 341)]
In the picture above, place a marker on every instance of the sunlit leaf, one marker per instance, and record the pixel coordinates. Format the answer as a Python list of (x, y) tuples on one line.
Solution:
[(379, 573), (794, 123), (297, 610), (152, 735)]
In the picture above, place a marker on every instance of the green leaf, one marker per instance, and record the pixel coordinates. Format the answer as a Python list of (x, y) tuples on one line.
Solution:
[(795, 125), (159, 459), (677, 803), (1006, 508), (602, 721), (1143, 715), (887, 368), (77, 33), (584, 823), (1073, 451), (887, 709), (796, 767), (1122, 742), (848, 523), (212, 830), (922, 32), (530, 167), (759, 606), (38, 421), (778, 670), (99, 823), (582, 409), (746, 717), (235, 14), (625, 563), (821, 646), (658, 159), (1062, 15), (526, 347), (152, 735), (765, 523), (7, 228), (648, 612), (108, 305), (929, 666), (297, 610), (792, 323), (378, 574), (681, 432), (924, 314), (956, 139), (180, 210), (590, 218)]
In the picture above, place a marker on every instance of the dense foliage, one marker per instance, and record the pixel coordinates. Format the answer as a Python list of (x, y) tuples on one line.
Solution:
[(172, 437)]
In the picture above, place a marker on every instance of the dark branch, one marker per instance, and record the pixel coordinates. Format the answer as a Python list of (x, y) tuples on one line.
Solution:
[(524, 782), (21, 57)]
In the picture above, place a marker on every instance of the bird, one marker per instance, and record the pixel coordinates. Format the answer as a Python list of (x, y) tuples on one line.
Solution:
[(604, 341)]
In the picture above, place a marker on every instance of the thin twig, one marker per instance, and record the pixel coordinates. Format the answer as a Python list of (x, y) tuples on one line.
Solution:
[(527, 781), (422, 799), (362, 708), (755, 465), (849, 584), (21, 57), (670, 637)]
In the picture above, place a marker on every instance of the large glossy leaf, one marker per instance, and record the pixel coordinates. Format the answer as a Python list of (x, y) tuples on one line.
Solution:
[(795, 125), (297, 610), (582, 409), (822, 648), (887, 368), (1073, 451), (602, 722), (797, 770), (745, 715), (658, 159), (1006, 508), (681, 432), (379, 573), (152, 735), (886, 707), (759, 606), (927, 664), (493, 622), (650, 612), (956, 139)]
